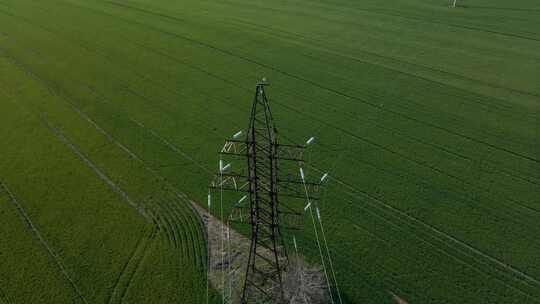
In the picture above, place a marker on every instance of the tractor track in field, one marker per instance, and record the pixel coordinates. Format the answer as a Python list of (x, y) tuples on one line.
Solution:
[(28, 222), (384, 12), (306, 38), (348, 23), (161, 219), (170, 214), (504, 171), (390, 58), (411, 138), (437, 233), (378, 55), (528, 10), (319, 45), (435, 146), (172, 147), (503, 108), (435, 243), (467, 27), (454, 257), (133, 264), (450, 251), (167, 214), (317, 85), (60, 136), (422, 142)]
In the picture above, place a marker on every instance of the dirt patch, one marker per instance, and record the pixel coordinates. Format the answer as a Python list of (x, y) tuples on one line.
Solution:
[(228, 256)]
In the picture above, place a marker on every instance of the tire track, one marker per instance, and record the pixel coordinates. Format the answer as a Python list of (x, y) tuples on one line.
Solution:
[(93, 91), (179, 20), (320, 45), (357, 192), (439, 244), (127, 273), (320, 86), (384, 13), (445, 129), (412, 138), (166, 217), (234, 84), (34, 230), (163, 218), (435, 146), (337, 92), (353, 135), (471, 28), (60, 136), (160, 218), (171, 221)]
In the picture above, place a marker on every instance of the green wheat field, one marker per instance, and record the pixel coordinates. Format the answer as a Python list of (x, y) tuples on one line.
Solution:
[(426, 118)]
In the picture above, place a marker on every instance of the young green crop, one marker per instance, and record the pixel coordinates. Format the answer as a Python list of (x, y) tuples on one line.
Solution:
[(426, 117)]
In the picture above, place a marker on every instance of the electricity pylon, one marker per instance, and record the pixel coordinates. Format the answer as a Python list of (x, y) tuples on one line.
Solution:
[(262, 182)]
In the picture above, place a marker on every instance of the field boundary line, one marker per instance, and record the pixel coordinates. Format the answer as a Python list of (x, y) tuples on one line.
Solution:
[(26, 219)]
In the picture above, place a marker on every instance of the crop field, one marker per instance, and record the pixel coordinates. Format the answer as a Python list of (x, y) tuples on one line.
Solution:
[(427, 119)]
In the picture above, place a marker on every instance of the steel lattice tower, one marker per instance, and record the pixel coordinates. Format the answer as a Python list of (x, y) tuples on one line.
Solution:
[(263, 272), (260, 179)]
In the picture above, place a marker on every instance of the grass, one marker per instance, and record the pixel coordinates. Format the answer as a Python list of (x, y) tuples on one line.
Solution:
[(426, 117)]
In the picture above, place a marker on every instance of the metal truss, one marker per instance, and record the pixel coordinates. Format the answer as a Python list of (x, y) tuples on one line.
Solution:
[(262, 187)]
